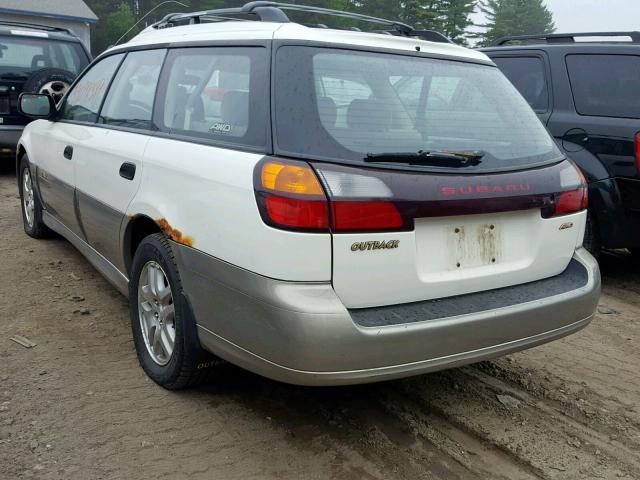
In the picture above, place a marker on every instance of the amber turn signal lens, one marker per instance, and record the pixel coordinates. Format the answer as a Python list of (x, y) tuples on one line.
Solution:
[(291, 179)]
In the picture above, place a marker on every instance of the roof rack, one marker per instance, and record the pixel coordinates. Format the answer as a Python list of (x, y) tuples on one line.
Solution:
[(36, 26), (274, 12), (566, 37)]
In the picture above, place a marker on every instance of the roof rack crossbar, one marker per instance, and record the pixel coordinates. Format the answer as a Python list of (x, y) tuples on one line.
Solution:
[(35, 26), (267, 11), (566, 37), (273, 12)]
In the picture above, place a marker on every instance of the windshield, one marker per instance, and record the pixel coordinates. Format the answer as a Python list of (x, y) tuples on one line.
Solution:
[(21, 55), (347, 105)]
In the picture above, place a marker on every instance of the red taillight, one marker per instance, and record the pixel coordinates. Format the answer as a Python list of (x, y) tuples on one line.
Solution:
[(291, 197), (573, 201), (570, 202), (298, 213), (363, 215), (638, 153)]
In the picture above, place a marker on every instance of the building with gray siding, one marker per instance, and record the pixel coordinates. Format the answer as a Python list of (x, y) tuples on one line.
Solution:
[(72, 14)]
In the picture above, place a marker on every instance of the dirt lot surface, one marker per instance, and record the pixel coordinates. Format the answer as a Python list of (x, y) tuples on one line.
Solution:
[(77, 406)]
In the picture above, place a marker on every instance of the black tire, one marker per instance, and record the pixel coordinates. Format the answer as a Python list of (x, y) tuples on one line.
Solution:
[(592, 237), (189, 365), (37, 228), (59, 79)]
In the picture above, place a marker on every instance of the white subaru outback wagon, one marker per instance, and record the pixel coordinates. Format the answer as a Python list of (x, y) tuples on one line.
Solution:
[(320, 206)]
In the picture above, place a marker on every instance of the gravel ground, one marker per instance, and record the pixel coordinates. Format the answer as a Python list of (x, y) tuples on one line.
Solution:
[(77, 406)]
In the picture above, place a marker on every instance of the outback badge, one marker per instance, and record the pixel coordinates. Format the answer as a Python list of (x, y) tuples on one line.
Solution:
[(365, 246)]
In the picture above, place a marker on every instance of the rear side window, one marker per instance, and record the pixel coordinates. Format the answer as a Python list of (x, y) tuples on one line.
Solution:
[(129, 102), (528, 75), (219, 94), (83, 101), (605, 85)]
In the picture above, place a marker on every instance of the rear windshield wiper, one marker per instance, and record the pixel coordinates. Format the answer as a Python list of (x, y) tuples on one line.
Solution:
[(441, 158)]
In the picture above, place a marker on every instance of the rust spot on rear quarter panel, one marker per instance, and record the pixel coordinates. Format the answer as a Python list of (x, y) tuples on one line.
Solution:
[(175, 234)]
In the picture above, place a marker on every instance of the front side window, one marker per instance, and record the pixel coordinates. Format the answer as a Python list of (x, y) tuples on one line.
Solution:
[(219, 94), (605, 85), (345, 105), (83, 101), (22, 55), (528, 75), (129, 102)]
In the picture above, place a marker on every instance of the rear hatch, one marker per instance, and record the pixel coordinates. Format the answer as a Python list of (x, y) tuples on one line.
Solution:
[(440, 179), (414, 237), (24, 52)]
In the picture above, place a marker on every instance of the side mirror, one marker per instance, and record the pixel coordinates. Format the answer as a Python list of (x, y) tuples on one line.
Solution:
[(36, 105)]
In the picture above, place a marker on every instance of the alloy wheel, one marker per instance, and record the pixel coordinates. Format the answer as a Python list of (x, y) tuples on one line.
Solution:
[(28, 198), (157, 313)]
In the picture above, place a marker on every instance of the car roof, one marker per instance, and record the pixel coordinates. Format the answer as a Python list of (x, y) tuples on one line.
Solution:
[(567, 41), (250, 30), (559, 49)]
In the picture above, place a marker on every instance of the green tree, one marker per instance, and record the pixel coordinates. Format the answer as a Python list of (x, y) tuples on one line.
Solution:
[(515, 17), (452, 17), (456, 19), (115, 18)]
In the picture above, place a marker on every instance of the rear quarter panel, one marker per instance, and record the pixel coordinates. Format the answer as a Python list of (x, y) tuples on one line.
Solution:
[(203, 197)]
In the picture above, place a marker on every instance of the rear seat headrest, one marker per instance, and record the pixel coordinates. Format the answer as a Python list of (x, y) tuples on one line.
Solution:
[(328, 111), (235, 108), (369, 115)]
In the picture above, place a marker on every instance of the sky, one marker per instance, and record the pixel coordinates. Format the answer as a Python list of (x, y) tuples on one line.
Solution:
[(593, 15)]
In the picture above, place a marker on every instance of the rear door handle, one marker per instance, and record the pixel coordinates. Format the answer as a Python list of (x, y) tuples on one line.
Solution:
[(68, 152), (128, 170)]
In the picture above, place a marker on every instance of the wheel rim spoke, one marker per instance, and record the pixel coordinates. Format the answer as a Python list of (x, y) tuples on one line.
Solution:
[(157, 313), (147, 296), (157, 342), (164, 294), (28, 198), (165, 341)]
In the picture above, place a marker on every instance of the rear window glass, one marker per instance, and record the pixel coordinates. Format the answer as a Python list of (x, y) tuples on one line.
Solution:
[(528, 75), (605, 85), (24, 55), (220, 94), (345, 105)]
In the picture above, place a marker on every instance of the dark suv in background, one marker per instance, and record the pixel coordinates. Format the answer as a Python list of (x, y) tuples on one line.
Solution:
[(33, 58), (586, 89)]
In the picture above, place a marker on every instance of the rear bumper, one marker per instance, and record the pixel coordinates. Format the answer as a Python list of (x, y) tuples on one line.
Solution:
[(301, 333)]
